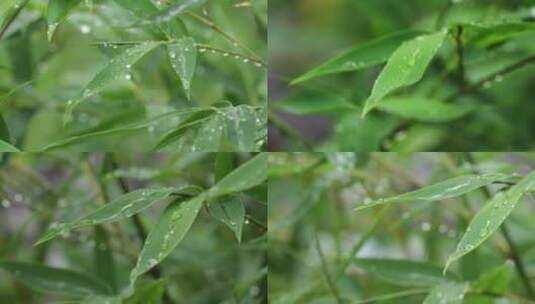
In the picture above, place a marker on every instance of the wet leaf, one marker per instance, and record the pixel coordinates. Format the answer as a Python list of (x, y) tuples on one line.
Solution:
[(231, 212), (119, 67), (149, 293), (405, 272), (451, 293), (104, 261), (449, 188), (171, 228), (183, 57), (307, 105), (250, 174), (5, 8), (172, 11), (6, 147), (57, 11), (123, 207), (495, 280), (224, 163), (424, 109), (55, 280), (406, 66), (361, 56), (490, 217)]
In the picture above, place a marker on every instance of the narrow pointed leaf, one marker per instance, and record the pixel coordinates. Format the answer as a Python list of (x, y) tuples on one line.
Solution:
[(4, 130), (361, 56), (6, 147), (150, 293), (423, 109), (451, 293), (123, 207), (406, 66), (405, 272), (171, 228), (495, 280), (104, 261), (6, 6), (490, 217), (172, 11), (57, 11), (55, 280), (224, 163), (118, 67), (231, 212), (248, 175), (449, 188), (183, 57)]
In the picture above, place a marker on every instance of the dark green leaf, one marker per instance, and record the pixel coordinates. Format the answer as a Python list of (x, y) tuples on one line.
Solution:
[(57, 11), (495, 280), (424, 109), (149, 293), (231, 212), (104, 262)]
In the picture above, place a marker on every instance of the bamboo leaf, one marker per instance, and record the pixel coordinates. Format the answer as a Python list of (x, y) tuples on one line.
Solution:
[(231, 212), (449, 188), (171, 228), (495, 280), (490, 217), (317, 104), (406, 66), (57, 11), (123, 207), (361, 56), (405, 272), (423, 109), (183, 57), (55, 280), (250, 174), (119, 67), (6, 147), (451, 293), (104, 261), (172, 11), (150, 293)]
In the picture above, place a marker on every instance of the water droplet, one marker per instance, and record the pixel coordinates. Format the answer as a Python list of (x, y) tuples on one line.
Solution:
[(85, 29), (102, 246), (487, 85), (245, 60), (426, 226), (152, 262), (18, 198), (172, 55), (498, 78), (247, 222), (128, 76)]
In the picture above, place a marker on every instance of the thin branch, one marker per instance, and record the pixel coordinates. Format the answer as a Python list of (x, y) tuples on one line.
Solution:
[(330, 282), (288, 130), (460, 54)]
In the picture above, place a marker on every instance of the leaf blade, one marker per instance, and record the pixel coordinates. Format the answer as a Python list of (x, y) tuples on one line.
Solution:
[(231, 212), (183, 57)]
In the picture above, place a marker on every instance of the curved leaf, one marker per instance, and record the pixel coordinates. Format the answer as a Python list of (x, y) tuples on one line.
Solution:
[(171, 228), (55, 280), (56, 12), (490, 217), (104, 261), (6, 147), (443, 190), (423, 109), (405, 272), (172, 11), (451, 293), (406, 66), (150, 293), (361, 56), (231, 212), (183, 57)]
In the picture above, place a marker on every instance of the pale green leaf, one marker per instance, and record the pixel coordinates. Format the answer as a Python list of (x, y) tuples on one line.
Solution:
[(231, 212), (406, 66), (172, 11), (250, 174), (6, 147), (449, 188), (490, 217), (122, 207), (6, 6), (149, 293), (451, 293), (405, 272), (104, 261), (119, 67), (424, 109), (56, 12), (183, 57), (55, 280), (317, 104), (495, 280), (361, 56), (171, 228)]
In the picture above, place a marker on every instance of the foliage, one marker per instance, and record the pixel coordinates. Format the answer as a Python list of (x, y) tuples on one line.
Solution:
[(384, 227), (118, 75), (91, 217), (401, 76)]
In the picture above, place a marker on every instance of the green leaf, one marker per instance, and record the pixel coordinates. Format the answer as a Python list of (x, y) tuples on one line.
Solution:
[(490, 217), (495, 280), (451, 293), (361, 56), (104, 262), (122, 207), (250, 174), (6, 147), (119, 67), (488, 35), (418, 138), (150, 293), (4, 130), (96, 299), (171, 228), (449, 188), (56, 12), (224, 163), (172, 11), (363, 134), (406, 66), (317, 104), (183, 57), (231, 212), (423, 109), (405, 272), (6, 6), (55, 280)]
